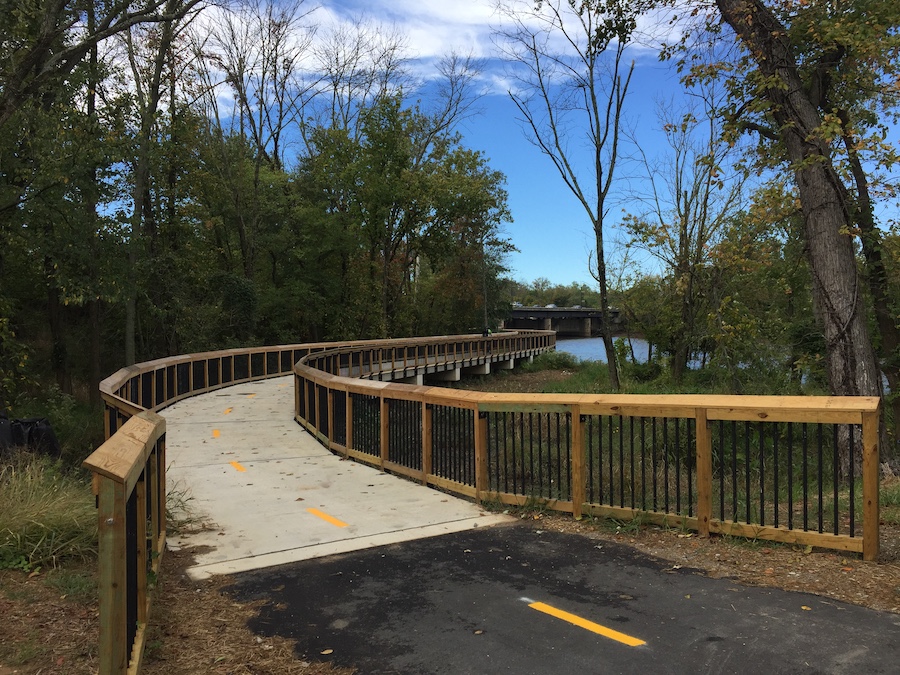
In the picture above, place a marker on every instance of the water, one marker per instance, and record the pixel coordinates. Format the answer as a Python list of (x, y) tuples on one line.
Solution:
[(592, 349)]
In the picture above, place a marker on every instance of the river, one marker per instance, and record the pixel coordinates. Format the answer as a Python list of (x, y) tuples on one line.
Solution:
[(592, 349)]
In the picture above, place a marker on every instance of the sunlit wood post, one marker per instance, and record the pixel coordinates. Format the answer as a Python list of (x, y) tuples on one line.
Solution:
[(704, 473), (577, 461), (870, 467), (482, 479)]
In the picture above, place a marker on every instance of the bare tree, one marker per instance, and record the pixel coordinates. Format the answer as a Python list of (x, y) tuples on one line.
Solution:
[(359, 62), (259, 48), (689, 196), (571, 79)]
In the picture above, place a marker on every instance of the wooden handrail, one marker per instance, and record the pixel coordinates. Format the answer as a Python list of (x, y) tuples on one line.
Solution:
[(129, 481)]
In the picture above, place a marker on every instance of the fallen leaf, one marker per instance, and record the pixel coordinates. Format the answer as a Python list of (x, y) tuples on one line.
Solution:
[(479, 632), (765, 551), (805, 608), (299, 499), (326, 652), (769, 571), (846, 569), (808, 549)]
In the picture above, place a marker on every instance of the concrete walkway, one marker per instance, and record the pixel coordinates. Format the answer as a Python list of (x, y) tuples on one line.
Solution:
[(276, 496)]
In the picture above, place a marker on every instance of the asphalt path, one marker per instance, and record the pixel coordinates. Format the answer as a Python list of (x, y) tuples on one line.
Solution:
[(514, 599)]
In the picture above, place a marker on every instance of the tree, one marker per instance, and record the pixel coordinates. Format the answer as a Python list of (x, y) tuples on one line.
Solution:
[(693, 193), (41, 44), (788, 91), (571, 79)]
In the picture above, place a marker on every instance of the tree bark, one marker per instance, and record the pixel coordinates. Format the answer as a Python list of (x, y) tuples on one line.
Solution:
[(837, 296)]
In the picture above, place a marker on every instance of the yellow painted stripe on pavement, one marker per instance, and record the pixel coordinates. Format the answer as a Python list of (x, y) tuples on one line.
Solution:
[(216, 433), (576, 620), (238, 466), (329, 519)]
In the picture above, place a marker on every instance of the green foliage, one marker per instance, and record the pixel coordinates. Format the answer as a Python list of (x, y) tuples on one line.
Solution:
[(553, 360), (46, 516), (78, 425)]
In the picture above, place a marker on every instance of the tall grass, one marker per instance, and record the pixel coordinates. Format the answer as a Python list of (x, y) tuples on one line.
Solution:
[(47, 516)]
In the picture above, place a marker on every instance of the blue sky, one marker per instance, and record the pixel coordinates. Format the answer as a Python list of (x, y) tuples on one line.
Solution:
[(550, 228)]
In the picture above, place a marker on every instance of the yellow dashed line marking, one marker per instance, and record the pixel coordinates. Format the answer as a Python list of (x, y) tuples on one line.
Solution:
[(576, 620), (216, 433), (238, 466), (328, 519), (228, 411)]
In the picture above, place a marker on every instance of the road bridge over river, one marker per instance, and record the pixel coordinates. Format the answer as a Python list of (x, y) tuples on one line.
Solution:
[(567, 321)]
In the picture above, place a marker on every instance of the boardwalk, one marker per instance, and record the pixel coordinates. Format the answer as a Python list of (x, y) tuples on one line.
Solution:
[(275, 495)]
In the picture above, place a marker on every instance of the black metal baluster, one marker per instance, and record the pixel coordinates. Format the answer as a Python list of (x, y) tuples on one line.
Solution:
[(821, 477), (690, 472), (621, 461), (558, 459), (852, 480), (734, 480), (762, 475), (677, 466), (631, 486), (747, 432), (666, 460), (611, 450), (775, 462), (805, 446), (721, 424), (655, 466), (590, 445), (643, 465), (531, 453), (835, 475)]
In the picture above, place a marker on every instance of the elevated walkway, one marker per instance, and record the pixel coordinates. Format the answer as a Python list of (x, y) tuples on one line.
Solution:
[(276, 496)]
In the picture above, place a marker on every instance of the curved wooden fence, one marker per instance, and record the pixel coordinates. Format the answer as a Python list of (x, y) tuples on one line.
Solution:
[(793, 469), (129, 469)]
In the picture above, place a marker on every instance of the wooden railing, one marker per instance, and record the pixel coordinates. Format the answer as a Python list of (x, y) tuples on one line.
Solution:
[(790, 469), (129, 482), (129, 468), (699, 462)]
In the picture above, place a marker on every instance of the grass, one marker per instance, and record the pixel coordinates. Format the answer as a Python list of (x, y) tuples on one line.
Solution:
[(890, 501), (46, 515), (75, 583)]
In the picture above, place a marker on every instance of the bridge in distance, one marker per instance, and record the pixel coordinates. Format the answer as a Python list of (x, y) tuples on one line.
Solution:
[(567, 321)]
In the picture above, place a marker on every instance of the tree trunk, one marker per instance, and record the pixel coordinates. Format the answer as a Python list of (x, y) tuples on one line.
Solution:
[(605, 320), (837, 299)]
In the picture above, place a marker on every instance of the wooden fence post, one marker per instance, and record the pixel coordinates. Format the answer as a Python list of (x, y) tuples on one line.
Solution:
[(482, 479), (113, 582), (704, 473), (871, 467), (576, 455)]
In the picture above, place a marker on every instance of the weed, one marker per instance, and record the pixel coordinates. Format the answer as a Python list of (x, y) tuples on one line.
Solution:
[(46, 516), (181, 516), (553, 360)]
